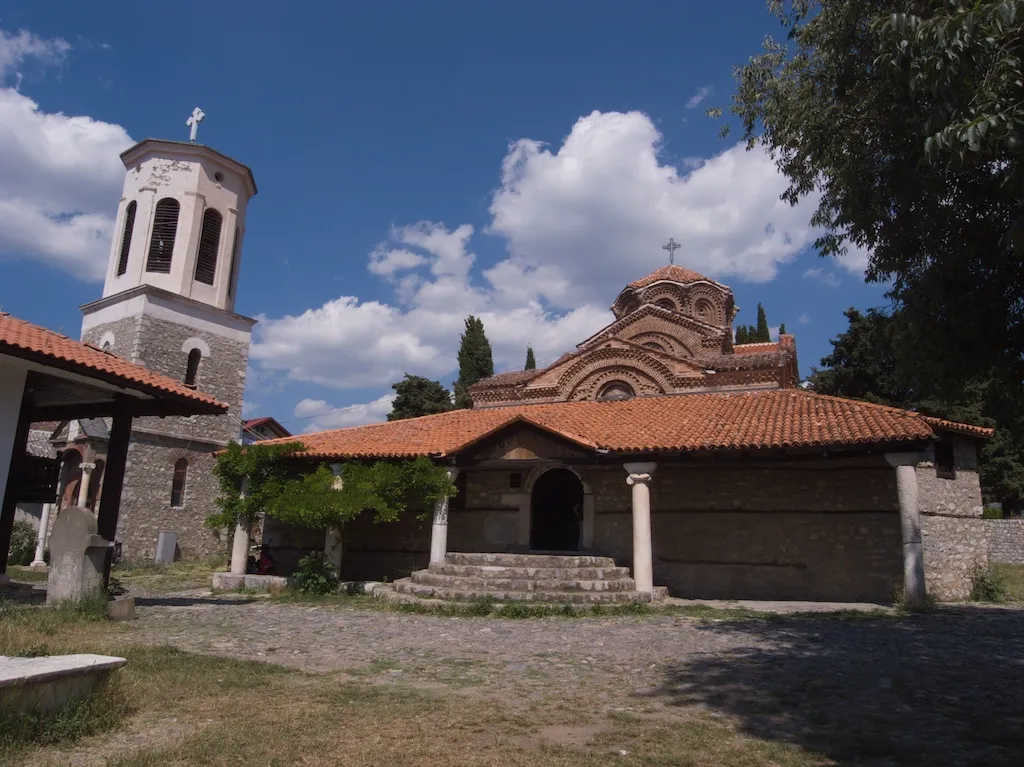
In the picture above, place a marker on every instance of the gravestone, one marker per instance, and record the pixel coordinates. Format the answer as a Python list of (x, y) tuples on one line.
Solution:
[(77, 557)]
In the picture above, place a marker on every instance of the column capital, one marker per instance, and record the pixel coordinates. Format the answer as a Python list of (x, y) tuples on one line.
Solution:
[(453, 473), (87, 466), (903, 459)]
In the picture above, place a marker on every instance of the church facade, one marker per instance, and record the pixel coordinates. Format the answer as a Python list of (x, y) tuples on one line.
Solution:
[(699, 464), (168, 304)]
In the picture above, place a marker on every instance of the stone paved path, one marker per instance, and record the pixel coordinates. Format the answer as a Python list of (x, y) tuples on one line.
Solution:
[(948, 687)]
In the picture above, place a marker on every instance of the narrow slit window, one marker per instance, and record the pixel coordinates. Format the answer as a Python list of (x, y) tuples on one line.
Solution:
[(233, 274), (126, 237), (192, 367), (209, 243), (165, 226), (178, 483)]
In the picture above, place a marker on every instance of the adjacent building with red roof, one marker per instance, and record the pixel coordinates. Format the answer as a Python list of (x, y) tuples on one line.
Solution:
[(698, 463)]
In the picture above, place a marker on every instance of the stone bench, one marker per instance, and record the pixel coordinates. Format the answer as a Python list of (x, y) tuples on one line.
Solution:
[(47, 684), (250, 582)]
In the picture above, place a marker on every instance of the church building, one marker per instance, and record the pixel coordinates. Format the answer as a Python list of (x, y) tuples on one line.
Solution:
[(168, 304), (661, 446)]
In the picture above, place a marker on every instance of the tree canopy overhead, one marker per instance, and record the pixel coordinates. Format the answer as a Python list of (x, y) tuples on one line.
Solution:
[(475, 361), (904, 120), (416, 396)]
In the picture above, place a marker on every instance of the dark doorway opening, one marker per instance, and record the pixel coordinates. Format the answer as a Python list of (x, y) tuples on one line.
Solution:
[(556, 511)]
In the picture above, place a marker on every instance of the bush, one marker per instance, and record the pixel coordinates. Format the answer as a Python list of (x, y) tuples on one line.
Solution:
[(23, 544), (315, 575), (987, 586)]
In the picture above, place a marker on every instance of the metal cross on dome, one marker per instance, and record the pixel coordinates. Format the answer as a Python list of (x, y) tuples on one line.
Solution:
[(193, 122), (671, 246)]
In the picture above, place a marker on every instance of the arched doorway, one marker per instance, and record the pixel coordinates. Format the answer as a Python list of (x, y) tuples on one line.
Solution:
[(556, 511)]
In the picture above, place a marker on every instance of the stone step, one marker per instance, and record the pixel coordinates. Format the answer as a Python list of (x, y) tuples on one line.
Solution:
[(529, 560), (407, 586), (429, 578), (531, 573)]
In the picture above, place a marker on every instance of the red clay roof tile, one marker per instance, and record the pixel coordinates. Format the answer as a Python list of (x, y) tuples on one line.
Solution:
[(672, 272), (740, 421), (23, 339)]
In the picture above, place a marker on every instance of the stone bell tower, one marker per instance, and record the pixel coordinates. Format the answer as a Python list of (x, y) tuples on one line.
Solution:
[(168, 304)]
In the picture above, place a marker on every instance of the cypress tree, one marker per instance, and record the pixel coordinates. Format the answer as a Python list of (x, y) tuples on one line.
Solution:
[(531, 363), (475, 361), (762, 333), (782, 328), (418, 396), (741, 334)]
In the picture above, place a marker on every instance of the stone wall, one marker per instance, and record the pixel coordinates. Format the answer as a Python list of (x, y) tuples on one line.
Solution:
[(1005, 539), (146, 498), (953, 532)]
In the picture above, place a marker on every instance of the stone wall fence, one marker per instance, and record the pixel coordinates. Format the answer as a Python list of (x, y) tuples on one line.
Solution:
[(1005, 540)]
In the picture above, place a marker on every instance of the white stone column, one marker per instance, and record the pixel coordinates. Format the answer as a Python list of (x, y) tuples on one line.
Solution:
[(240, 541), (643, 560), (910, 525), (83, 485), (44, 524), (439, 529)]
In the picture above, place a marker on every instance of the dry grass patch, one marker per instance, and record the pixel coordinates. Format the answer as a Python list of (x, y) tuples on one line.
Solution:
[(1012, 577), (146, 577)]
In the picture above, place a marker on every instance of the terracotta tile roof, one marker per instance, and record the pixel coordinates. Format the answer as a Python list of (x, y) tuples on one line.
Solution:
[(672, 272), (761, 346), (693, 422), (19, 338)]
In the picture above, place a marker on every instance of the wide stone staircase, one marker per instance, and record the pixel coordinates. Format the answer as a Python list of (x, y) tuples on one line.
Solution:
[(578, 580)]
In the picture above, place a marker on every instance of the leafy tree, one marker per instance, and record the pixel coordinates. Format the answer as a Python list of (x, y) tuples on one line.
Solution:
[(904, 120), (763, 335), (475, 361), (416, 396), (742, 335), (864, 365), (251, 479), (531, 363)]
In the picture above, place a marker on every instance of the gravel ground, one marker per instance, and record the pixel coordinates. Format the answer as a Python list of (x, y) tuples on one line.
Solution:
[(939, 689)]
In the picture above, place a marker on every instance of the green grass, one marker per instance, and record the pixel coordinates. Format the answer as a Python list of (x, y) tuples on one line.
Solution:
[(1012, 577)]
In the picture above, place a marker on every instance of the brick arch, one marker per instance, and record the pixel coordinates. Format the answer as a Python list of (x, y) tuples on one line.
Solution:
[(626, 359), (666, 291), (668, 343), (642, 384), (535, 474), (715, 299)]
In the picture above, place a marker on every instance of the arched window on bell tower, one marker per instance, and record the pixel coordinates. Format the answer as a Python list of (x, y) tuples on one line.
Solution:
[(165, 227), (209, 244), (126, 237), (192, 367)]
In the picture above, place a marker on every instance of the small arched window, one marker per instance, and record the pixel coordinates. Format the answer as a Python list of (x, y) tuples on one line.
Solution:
[(233, 274), (165, 227), (654, 345), (178, 483), (126, 237), (192, 368), (666, 303), (616, 390), (209, 243)]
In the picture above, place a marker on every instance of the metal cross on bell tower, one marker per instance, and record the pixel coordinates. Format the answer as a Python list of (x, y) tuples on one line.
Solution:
[(193, 121), (671, 246)]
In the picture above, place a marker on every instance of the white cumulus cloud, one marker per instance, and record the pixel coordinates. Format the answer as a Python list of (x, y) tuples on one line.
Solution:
[(60, 176), (320, 415)]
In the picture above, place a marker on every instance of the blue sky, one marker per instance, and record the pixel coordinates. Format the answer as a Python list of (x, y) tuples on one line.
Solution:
[(416, 162)]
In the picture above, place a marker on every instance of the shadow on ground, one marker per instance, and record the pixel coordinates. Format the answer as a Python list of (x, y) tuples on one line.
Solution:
[(190, 601), (939, 689)]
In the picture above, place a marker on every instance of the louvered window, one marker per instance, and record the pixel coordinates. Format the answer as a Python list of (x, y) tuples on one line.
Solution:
[(126, 237), (178, 483), (233, 274), (209, 241), (165, 226), (192, 367)]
